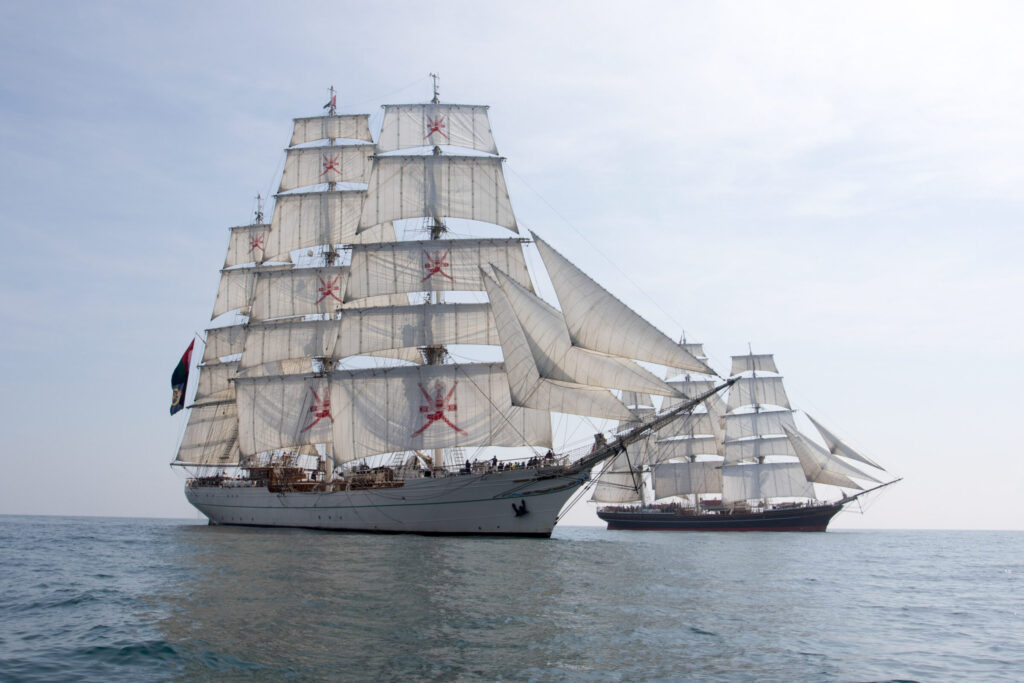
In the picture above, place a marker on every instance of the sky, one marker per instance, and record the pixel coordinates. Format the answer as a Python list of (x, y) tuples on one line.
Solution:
[(835, 183)]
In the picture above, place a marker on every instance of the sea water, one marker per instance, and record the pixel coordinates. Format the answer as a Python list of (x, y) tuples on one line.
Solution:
[(88, 599)]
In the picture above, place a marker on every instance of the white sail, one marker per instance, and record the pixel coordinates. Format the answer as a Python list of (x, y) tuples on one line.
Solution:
[(758, 390), (210, 435), (347, 126), (283, 412), (685, 478), (436, 187), (686, 448), (305, 166), (222, 342), (214, 381), (766, 480), (308, 219), (363, 331), (742, 425), (600, 322), (556, 357), (822, 467), (753, 362), (431, 406), (838, 447), (638, 402), (247, 244), (437, 265), (748, 450), (619, 482), (236, 288), (688, 424), (694, 349), (687, 388), (528, 388), (301, 291), (427, 125)]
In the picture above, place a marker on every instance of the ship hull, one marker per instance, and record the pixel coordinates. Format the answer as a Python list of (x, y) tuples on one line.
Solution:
[(787, 519), (476, 504)]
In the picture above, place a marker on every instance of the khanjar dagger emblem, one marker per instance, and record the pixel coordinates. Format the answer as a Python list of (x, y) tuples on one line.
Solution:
[(256, 242), (320, 409), (437, 406), (329, 288), (436, 125), (435, 263), (330, 164)]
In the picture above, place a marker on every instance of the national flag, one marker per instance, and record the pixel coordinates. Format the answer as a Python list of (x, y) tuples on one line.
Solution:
[(179, 380), (333, 103)]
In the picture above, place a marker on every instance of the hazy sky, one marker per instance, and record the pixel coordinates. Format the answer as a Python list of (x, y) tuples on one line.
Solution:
[(835, 183)]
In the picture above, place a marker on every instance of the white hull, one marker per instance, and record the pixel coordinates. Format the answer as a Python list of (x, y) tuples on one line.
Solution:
[(457, 504)]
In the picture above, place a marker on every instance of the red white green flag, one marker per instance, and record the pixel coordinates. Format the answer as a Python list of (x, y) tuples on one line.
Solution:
[(179, 380)]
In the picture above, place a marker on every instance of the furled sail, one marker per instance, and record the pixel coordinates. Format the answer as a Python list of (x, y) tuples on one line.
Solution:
[(427, 125), (837, 446), (304, 166), (210, 435), (556, 357), (600, 322), (753, 362), (765, 480), (435, 187), (528, 388), (822, 467), (347, 126), (363, 331), (436, 265), (685, 478), (247, 244), (222, 342), (365, 412), (300, 291), (758, 391)]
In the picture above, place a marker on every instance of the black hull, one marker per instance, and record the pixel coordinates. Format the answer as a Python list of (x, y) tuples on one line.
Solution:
[(786, 519)]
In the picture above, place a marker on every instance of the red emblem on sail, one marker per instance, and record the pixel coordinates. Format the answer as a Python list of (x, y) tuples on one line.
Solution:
[(330, 164), (435, 264), (320, 409), (437, 407), (436, 125), (329, 288), (256, 242)]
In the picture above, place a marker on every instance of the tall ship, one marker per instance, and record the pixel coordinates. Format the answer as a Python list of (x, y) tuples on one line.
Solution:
[(380, 360), (734, 464)]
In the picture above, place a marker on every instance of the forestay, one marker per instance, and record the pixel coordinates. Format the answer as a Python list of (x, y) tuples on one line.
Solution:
[(437, 187), (598, 321), (306, 166), (838, 447), (420, 125), (767, 480), (555, 356), (528, 388), (348, 126), (822, 467), (438, 265)]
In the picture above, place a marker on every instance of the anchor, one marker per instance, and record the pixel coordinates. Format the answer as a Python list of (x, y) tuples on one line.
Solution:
[(521, 510)]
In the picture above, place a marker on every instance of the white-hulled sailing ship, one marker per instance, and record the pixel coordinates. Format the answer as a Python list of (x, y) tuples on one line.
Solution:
[(739, 464), (339, 398)]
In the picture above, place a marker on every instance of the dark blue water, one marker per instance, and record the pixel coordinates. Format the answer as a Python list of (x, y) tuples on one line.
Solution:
[(124, 599)]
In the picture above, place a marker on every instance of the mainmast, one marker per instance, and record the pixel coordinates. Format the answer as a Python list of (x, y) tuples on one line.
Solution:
[(435, 355)]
